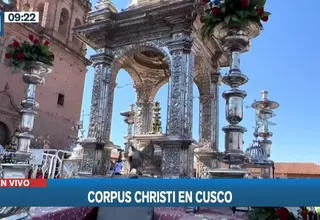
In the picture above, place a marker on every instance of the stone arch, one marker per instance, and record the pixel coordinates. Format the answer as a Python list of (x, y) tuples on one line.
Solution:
[(115, 68), (158, 87), (201, 76), (122, 53), (64, 22)]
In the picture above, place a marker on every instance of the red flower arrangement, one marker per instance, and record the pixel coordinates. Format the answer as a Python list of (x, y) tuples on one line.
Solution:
[(20, 55), (232, 12), (279, 213)]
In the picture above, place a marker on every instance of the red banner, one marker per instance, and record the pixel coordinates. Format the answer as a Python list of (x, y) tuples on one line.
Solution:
[(23, 183)]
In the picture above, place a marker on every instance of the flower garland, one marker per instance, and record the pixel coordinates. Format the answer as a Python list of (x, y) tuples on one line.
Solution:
[(232, 12), (19, 55), (280, 213)]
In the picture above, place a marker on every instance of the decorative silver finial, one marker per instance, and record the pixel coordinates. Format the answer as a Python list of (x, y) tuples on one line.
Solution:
[(264, 95), (264, 112)]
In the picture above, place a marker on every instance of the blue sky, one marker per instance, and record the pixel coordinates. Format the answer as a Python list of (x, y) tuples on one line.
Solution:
[(283, 60)]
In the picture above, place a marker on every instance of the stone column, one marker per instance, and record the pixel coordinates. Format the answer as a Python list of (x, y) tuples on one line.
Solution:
[(96, 147), (215, 83), (206, 121), (177, 154), (209, 115)]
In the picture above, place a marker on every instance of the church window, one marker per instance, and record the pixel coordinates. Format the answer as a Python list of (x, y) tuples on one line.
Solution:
[(76, 41), (63, 22), (60, 99), (40, 9)]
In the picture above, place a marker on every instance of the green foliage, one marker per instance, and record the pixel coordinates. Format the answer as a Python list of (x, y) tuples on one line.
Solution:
[(19, 55), (156, 126), (233, 12)]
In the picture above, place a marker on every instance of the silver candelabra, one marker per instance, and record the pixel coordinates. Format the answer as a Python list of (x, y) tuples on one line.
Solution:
[(129, 120), (17, 165), (33, 75), (260, 151), (235, 40), (264, 112)]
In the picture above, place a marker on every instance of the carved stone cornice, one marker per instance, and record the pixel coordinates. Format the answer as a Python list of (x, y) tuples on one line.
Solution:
[(137, 23), (180, 42)]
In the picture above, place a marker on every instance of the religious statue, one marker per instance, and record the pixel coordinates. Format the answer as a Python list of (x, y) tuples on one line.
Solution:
[(135, 158), (139, 159)]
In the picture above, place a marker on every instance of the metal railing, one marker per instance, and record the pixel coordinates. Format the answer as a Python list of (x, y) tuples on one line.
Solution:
[(52, 165)]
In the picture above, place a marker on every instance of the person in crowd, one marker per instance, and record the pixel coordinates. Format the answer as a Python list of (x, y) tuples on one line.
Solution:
[(118, 167), (312, 214), (2, 149)]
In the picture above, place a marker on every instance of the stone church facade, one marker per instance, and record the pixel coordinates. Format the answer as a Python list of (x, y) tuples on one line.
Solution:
[(60, 98)]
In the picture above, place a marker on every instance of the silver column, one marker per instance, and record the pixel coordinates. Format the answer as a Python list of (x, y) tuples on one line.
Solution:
[(97, 146), (177, 159), (180, 103), (33, 76), (206, 134), (209, 127), (234, 111), (215, 83), (102, 89), (235, 40)]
